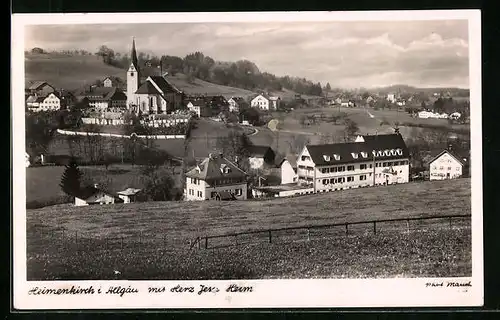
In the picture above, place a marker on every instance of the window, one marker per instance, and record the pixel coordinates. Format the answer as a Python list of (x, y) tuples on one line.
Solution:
[(363, 177), (371, 166), (396, 163), (350, 179), (327, 158), (350, 168), (191, 191), (131, 74), (441, 168), (341, 180), (333, 180), (405, 162), (325, 181), (336, 157), (458, 168), (362, 166), (384, 164), (239, 192), (364, 154), (304, 158), (354, 155), (449, 168), (199, 194), (213, 194), (341, 169), (389, 164)]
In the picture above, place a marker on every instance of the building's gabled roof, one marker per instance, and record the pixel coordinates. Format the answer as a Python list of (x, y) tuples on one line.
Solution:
[(129, 192), (38, 84), (213, 168), (349, 152), (164, 85), (292, 159), (258, 151), (198, 102), (147, 88), (87, 192), (460, 155)]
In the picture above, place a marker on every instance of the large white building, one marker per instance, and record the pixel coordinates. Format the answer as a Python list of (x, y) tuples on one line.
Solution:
[(215, 178), (447, 165), (370, 160), (264, 102)]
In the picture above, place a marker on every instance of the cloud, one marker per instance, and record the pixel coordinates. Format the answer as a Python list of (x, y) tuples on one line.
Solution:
[(346, 54)]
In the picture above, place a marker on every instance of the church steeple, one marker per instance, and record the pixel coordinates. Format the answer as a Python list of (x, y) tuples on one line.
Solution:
[(134, 56)]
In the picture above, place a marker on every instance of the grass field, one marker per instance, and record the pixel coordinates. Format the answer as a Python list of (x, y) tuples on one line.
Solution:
[(165, 229), (42, 183)]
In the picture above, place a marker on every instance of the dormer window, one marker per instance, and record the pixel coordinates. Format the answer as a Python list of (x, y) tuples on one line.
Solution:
[(374, 153), (380, 153), (354, 155), (336, 157), (326, 157), (393, 152), (399, 152), (387, 152), (364, 154)]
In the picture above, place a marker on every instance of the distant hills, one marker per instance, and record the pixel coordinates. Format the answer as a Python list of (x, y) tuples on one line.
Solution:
[(402, 88)]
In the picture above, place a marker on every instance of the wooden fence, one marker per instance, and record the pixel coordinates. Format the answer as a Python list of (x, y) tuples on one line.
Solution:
[(306, 232)]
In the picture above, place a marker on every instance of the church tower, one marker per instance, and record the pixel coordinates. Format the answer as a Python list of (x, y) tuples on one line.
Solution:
[(133, 77)]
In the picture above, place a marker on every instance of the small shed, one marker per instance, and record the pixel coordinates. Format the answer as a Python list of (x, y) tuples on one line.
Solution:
[(91, 195), (224, 196), (129, 195)]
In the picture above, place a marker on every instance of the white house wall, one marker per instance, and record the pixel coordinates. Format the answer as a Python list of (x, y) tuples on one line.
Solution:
[(445, 167), (256, 162), (288, 174)]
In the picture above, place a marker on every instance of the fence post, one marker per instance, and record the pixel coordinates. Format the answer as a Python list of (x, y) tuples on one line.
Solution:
[(270, 236), (450, 221), (106, 243), (374, 227), (76, 239), (121, 242), (346, 229), (206, 242), (308, 234), (408, 225)]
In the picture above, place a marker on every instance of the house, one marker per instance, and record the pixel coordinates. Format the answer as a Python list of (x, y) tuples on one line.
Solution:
[(51, 102), (288, 168), (236, 104), (27, 159), (426, 114), (261, 102), (112, 81), (391, 97), (154, 95), (368, 161), (260, 155), (274, 102), (200, 107), (214, 175), (40, 88), (129, 195), (448, 164), (94, 195), (455, 116), (104, 98)]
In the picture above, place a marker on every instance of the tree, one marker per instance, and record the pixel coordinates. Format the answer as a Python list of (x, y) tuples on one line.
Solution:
[(71, 179), (251, 115), (107, 54), (351, 128), (235, 147), (297, 143)]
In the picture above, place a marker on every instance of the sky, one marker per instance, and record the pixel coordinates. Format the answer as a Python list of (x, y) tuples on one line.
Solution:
[(347, 54)]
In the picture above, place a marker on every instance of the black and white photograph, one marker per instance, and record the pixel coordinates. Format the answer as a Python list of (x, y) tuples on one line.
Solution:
[(238, 159)]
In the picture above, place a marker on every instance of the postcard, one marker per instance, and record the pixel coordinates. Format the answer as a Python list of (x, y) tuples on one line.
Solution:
[(247, 160)]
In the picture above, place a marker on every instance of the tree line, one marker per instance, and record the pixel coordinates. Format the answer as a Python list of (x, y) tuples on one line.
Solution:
[(240, 74)]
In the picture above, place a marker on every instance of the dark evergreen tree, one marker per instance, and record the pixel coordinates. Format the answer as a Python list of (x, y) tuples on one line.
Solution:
[(71, 178)]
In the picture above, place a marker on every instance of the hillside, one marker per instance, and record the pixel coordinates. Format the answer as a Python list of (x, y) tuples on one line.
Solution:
[(66, 71), (459, 92), (74, 71)]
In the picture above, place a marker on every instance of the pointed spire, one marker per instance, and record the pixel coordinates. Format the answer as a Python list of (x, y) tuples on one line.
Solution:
[(134, 55)]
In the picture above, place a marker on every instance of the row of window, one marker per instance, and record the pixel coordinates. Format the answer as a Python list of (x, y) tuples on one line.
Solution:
[(361, 166), (442, 168), (343, 179)]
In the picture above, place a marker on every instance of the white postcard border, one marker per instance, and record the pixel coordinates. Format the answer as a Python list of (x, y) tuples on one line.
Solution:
[(399, 292)]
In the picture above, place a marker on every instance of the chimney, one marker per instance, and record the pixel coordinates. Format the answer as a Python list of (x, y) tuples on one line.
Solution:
[(450, 147)]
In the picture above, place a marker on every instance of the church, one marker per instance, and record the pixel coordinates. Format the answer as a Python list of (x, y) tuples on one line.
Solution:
[(154, 95)]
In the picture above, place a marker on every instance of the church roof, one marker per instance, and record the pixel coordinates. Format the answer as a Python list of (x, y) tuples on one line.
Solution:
[(147, 88)]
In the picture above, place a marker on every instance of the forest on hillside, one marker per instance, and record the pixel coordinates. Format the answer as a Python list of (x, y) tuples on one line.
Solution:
[(242, 74)]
